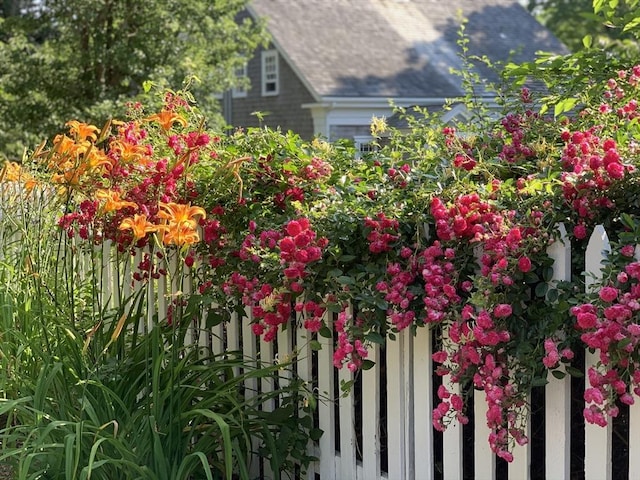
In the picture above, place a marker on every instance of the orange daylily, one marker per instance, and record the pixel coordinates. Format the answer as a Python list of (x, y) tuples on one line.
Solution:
[(181, 226), (180, 213), (64, 146), (97, 158), (112, 201), (69, 175), (166, 119), (82, 131), (139, 225), (13, 172), (180, 234), (131, 153)]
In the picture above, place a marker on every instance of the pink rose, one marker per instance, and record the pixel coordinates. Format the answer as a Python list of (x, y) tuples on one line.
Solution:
[(524, 264), (587, 320), (502, 310), (580, 231), (608, 294), (628, 250)]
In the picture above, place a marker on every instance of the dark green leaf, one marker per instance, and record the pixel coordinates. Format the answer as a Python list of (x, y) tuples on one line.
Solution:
[(367, 364), (374, 337), (326, 332), (539, 382), (574, 372), (541, 290)]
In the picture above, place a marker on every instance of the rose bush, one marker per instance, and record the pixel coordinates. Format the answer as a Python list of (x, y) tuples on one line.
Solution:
[(445, 226)]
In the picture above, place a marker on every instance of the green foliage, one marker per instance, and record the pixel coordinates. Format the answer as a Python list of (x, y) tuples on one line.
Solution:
[(608, 25), (82, 59), (446, 226), (90, 392), (603, 36)]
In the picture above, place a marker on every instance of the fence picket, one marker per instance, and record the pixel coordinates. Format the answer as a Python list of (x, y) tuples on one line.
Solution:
[(250, 351), (409, 390), (107, 282), (485, 459), (634, 424), (371, 417), (634, 439), (597, 455), (422, 404), (452, 436), (326, 411), (558, 391), (267, 384), (520, 466), (398, 399), (348, 442), (305, 372)]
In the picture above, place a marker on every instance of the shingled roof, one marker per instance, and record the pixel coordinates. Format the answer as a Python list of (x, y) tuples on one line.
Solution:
[(396, 48)]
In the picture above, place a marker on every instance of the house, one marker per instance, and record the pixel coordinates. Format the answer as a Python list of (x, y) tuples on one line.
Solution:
[(334, 64)]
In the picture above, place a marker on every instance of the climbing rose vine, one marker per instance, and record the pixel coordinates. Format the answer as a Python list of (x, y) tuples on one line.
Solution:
[(446, 226)]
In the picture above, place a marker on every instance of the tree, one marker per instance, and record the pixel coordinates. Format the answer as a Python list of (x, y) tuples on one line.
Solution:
[(573, 20), (582, 74), (64, 59)]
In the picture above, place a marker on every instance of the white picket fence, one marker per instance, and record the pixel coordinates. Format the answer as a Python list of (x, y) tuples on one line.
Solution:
[(381, 429)]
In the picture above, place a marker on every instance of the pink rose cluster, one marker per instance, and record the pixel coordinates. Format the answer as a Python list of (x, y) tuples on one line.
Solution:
[(350, 350), (271, 305), (610, 326), (592, 165), (469, 218), (472, 350), (383, 232)]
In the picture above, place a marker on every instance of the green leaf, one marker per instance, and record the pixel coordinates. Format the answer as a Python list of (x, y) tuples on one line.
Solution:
[(346, 385), (565, 105), (315, 434), (539, 382), (367, 364), (374, 337), (214, 318), (574, 372), (541, 290), (558, 374), (325, 332), (334, 308), (336, 272), (628, 221), (345, 280), (547, 274), (315, 345), (623, 343), (587, 41), (632, 24)]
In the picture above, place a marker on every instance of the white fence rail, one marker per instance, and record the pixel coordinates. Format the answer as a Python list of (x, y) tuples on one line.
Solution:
[(381, 429)]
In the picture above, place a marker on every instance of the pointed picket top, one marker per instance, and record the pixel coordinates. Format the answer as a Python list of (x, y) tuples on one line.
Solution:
[(560, 252), (597, 250)]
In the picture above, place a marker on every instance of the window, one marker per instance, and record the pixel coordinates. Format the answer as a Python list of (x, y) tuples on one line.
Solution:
[(240, 90), (364, 145), (269, 72)]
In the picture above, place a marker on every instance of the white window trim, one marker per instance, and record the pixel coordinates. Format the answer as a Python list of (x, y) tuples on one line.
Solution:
[(270, 55), (240, 92), (364, 144)]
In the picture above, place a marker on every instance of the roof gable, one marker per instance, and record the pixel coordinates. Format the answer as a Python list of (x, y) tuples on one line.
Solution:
[(396, 48)]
